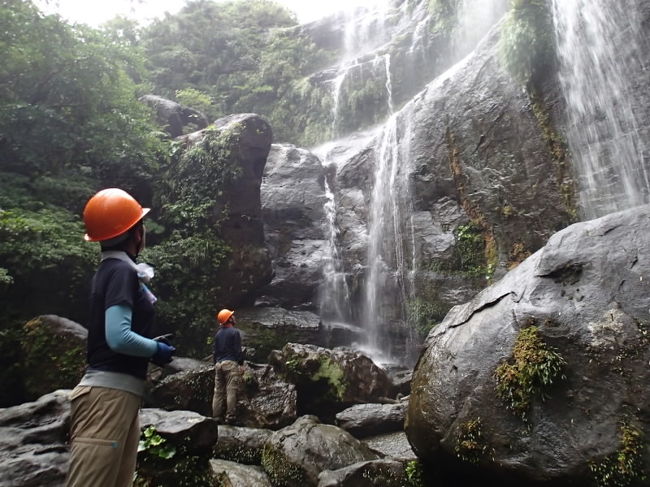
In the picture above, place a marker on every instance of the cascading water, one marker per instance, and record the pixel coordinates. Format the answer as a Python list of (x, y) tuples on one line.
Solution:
[(390, 268), (597, 40), (334, 292), (389, 276)]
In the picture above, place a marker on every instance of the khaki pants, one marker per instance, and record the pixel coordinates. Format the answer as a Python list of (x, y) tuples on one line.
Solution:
[(104, 435), (227, 379)]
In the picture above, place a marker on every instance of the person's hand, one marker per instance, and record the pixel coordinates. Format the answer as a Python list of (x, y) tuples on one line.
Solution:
[(164, 354), (165, 338)]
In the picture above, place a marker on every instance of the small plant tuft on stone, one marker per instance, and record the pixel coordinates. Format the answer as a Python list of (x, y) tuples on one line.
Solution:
[(625, 466), (534, 366)]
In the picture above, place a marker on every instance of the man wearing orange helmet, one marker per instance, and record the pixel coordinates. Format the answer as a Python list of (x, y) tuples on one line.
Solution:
[(104, 430), (227, 355)]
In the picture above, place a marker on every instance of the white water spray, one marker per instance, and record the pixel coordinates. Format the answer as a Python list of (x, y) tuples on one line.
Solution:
[(596, 42)]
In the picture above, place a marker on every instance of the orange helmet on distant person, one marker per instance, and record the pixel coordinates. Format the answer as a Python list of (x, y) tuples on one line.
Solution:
[(110, 213), (224, 315)]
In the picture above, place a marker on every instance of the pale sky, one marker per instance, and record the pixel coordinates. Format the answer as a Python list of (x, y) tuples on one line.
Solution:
[(95, 12)]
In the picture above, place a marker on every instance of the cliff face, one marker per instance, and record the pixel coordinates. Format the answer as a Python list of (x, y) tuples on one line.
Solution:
[(472, 175)]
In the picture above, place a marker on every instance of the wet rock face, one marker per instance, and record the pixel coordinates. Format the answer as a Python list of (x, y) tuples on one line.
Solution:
[(295, 455), (293, 199), (328, 381), (265, 400), (54, 354), (546, 371), (33, 442), (372, 419)]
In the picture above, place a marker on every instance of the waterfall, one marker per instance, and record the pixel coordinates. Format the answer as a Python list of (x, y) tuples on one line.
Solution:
[(597, 41), (381, 295), (334, 293), (389, 276)]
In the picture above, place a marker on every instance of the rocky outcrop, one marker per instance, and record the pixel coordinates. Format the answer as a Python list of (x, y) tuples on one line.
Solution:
[(266, 401), (295, 455), (33, 442), (241, 445), (175, 447), (270, 328), (384, 473), (194, 433), (372, 419), (328, 381), (393, 445), (293, 200), (175, 117), (265, 329), (244, 142), (54, 354), (233, 474), (542, 377)]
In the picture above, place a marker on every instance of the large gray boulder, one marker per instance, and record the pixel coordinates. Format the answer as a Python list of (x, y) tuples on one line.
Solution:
[(372, 419), (232, 474), (373, 473), (54, 354), (270, 328), (329, 381), (543, 376), (245, 141), (173, 116), (240, 444), (33, 442), (294, 456)]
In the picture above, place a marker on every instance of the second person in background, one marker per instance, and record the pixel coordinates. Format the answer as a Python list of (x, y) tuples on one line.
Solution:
[(228, 357)]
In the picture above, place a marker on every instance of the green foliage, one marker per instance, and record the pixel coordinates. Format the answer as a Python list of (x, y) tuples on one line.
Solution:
[(414, 474), (46, 258), (198, 100), (471, 446), (625, 466), (50, 361), (160, 463), (188, 259), (11, 365), (423, 315), (152, 443), (526, 43), (469, 254), (67, 101), (333, 374), (534, 367), (244, 56)]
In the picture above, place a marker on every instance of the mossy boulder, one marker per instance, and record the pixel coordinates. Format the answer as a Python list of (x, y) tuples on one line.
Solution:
[(54, 350), (294, 456), (542, 378), (265, 399), (329, 381)]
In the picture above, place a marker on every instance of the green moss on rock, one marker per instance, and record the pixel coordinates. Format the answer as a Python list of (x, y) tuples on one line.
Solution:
[(528, 374), (281, 472)]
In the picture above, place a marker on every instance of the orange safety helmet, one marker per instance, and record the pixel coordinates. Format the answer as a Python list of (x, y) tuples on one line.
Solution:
[(224, 315), (110, 213)]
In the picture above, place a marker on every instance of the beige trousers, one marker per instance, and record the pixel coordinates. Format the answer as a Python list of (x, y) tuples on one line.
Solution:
[(104, 435), (227, 379)]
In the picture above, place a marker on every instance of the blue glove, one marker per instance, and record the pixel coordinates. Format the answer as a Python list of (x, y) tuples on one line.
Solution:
[(163, 355)]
